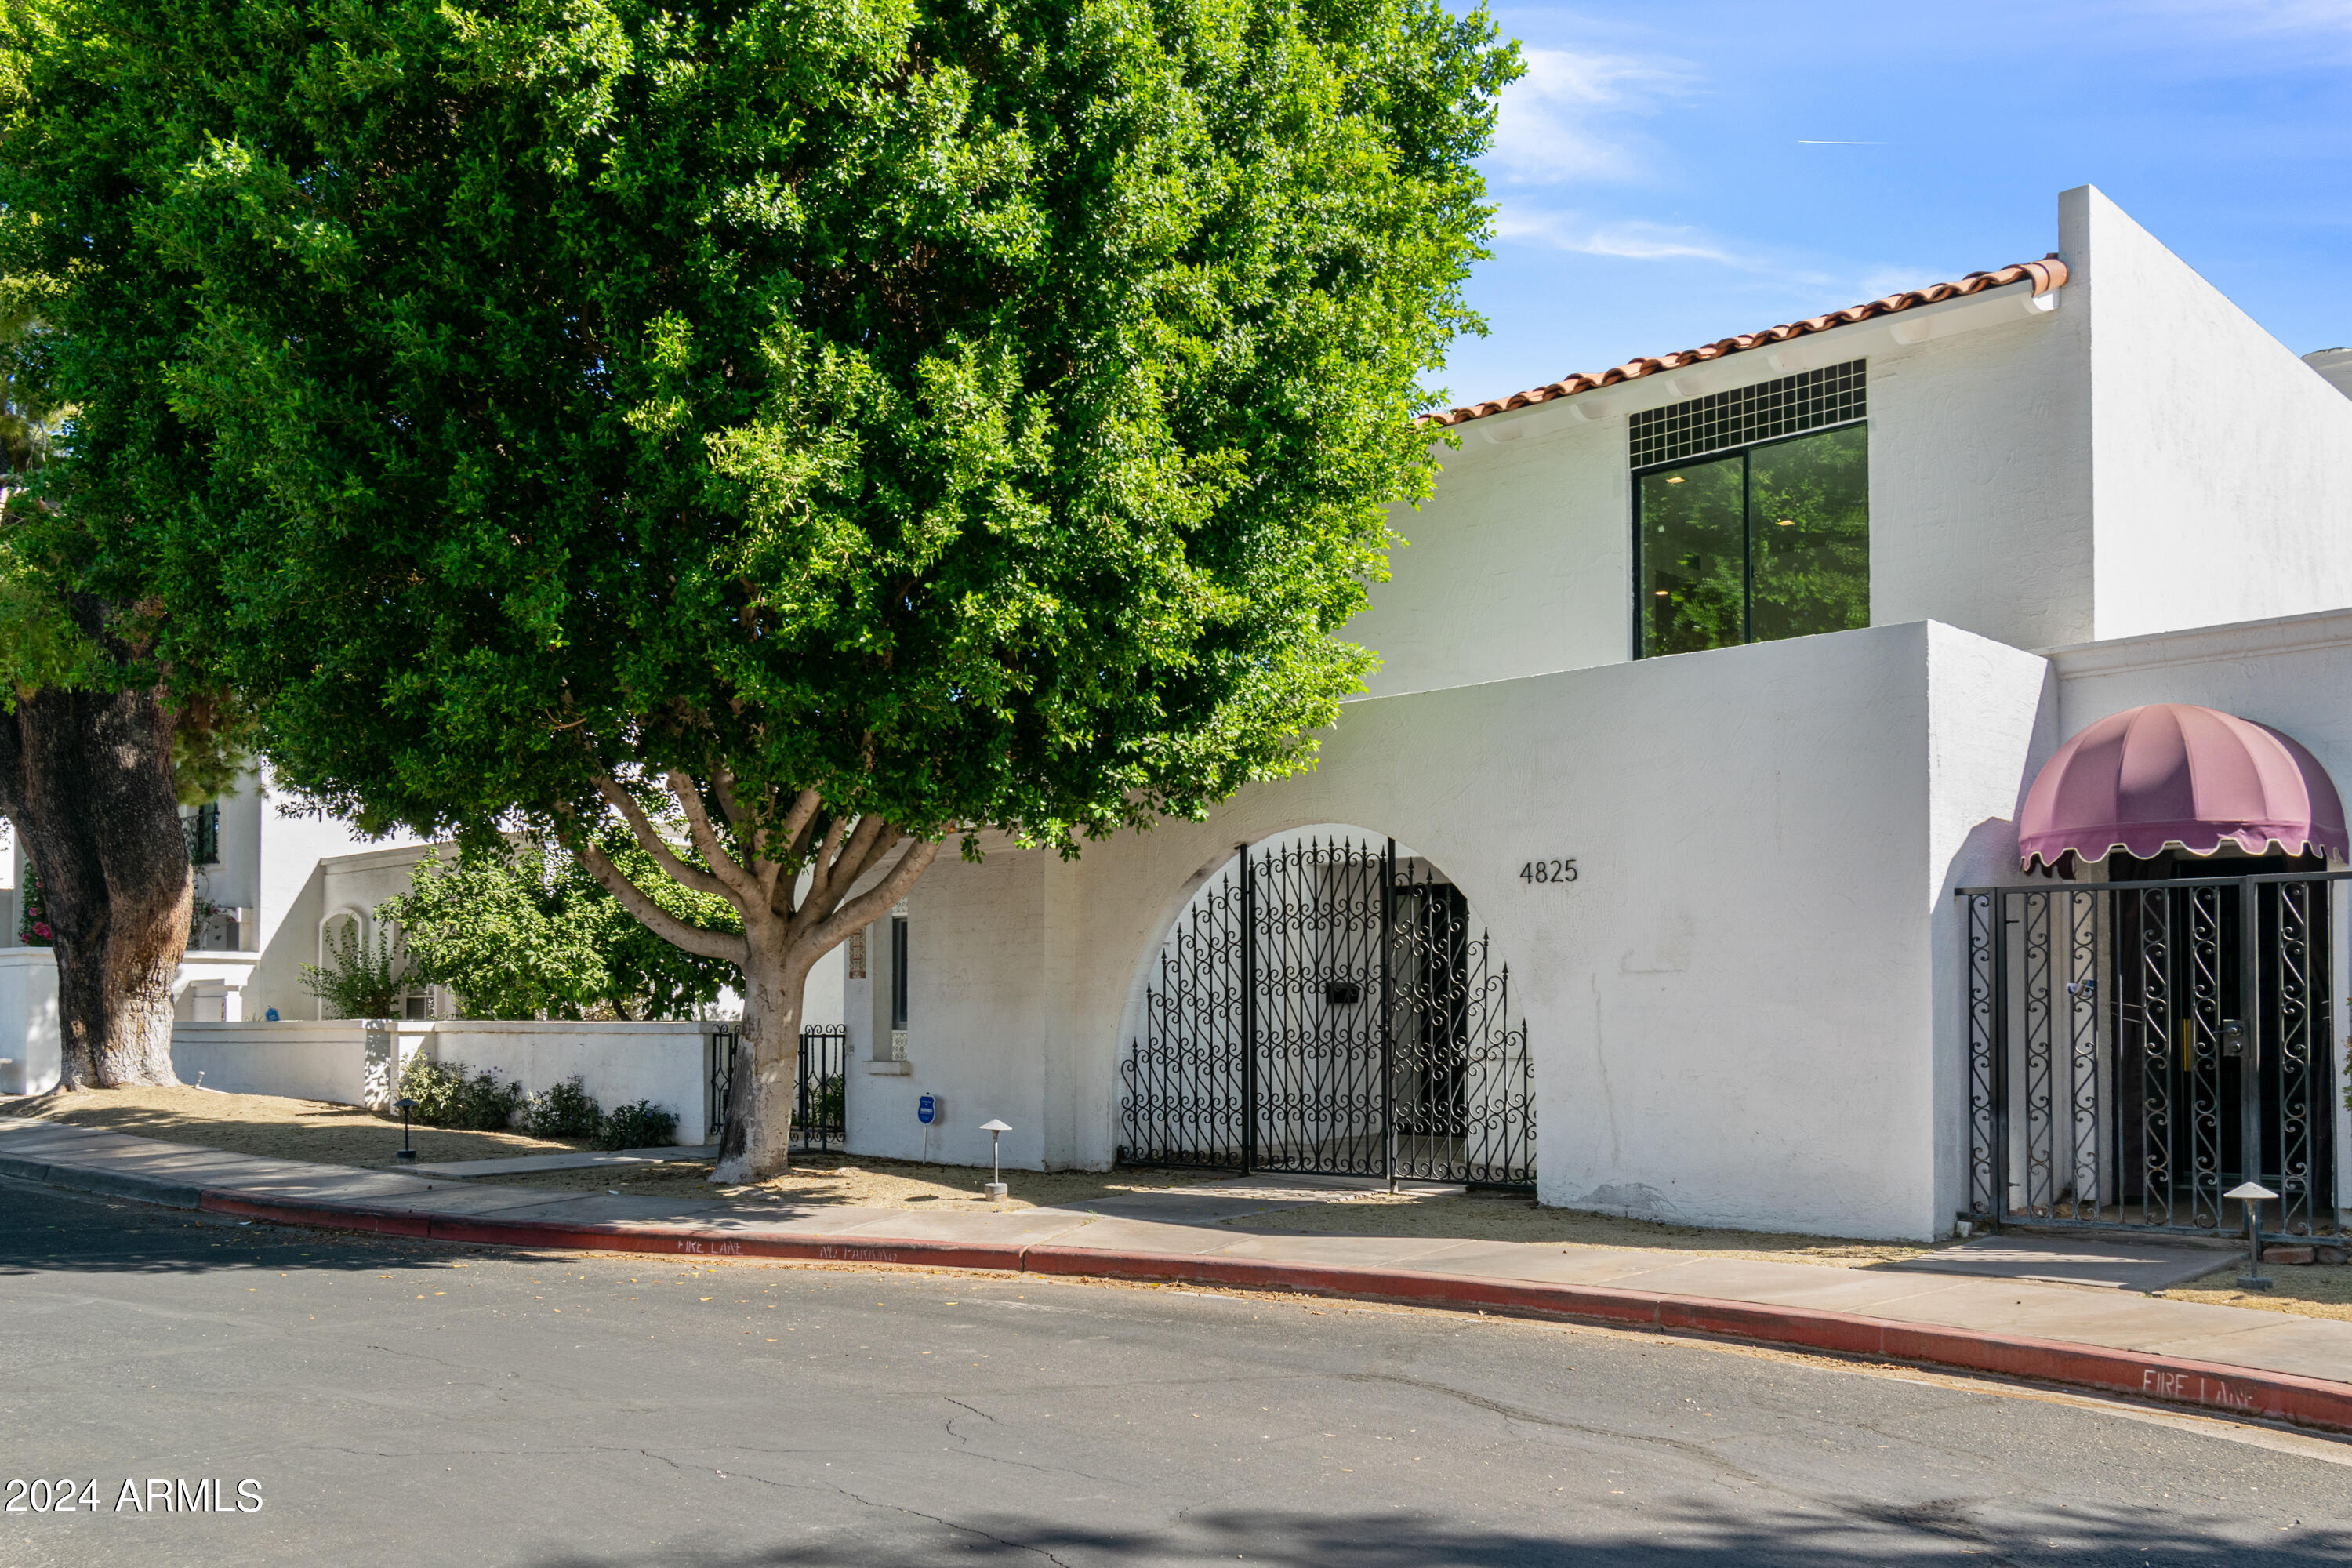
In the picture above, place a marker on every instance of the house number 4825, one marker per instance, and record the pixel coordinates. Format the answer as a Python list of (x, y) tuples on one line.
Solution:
[(1536, 871)]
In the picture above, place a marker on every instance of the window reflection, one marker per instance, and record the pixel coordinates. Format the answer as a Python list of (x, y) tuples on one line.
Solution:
[(1767, 542)]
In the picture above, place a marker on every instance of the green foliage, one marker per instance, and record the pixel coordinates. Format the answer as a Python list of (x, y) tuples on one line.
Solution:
[(566, 1111), (360, 979), (520, 928), (644, 1125), (978, 413), (450, 1094)]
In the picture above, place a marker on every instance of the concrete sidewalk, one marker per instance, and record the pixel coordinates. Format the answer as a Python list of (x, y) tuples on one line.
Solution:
[(2223, 1358)]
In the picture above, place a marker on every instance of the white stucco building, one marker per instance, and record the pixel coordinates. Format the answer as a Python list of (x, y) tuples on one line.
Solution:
[(1770, 639), (1707, 684)]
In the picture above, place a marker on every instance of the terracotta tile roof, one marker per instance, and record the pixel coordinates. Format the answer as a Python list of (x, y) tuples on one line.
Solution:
[(2046, 274)]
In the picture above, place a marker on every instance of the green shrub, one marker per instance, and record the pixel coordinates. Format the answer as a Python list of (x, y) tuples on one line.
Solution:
[(360, 979), (644, 1125), (567, 1110), (449, 1094)]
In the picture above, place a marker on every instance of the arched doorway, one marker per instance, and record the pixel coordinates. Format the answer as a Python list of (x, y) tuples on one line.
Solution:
[(1328, 1005)]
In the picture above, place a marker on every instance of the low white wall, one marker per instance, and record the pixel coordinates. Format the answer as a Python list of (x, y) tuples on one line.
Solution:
[(30, 1058), (619, 1064), (296, 1061)]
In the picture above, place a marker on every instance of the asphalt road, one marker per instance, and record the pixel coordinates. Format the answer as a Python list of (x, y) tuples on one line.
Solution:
[(405, 1405)]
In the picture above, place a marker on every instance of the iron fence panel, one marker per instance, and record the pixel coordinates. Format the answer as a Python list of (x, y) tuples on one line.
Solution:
[(820, 1085), (1323, 1010), (2138, 1048)]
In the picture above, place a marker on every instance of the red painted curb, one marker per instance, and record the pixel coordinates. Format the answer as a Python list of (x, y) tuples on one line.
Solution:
[(2171, 1380)]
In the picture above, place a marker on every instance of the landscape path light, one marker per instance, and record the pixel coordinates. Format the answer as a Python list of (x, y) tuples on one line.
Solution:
[(996, 1130), (405, 1155), (2253, 1195)]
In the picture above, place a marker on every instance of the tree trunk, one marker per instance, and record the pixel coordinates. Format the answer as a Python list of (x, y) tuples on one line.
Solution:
[(758, 1141), (86, 778)]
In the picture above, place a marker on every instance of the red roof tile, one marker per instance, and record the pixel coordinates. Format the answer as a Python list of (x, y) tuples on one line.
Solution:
[(2046, 274)]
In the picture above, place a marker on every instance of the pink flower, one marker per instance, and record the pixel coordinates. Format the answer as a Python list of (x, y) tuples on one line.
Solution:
[(41, 929)]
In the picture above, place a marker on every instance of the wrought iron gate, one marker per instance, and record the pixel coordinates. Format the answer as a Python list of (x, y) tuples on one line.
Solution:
[(2136, 1049), (820, 1087), (1323, 1009)]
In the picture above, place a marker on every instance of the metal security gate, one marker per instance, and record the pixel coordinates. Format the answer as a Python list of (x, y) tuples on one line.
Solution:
[(1323, 1008), (820, 1089), (2138, 1048)]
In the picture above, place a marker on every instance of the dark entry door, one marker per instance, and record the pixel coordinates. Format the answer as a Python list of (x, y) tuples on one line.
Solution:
[(1324, 1009)]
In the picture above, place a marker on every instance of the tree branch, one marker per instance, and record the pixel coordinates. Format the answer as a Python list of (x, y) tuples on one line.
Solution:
[(649, 839), (796, 824), (840, 874), (821, 873), (657, 919), (864, 908), (722, 783), (745, 882), (856, 859)]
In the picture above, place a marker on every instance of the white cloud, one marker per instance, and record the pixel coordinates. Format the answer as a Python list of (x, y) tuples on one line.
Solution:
[(1555, 122), (1632, 239), (2295, 20)]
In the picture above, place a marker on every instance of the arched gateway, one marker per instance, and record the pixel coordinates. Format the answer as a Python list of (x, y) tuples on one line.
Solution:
[(1327, 1006)]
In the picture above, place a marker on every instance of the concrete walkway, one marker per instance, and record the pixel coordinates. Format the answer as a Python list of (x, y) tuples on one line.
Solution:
[(2245, 1362)]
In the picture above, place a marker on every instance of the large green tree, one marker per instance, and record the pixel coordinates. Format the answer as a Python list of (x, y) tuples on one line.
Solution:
[(520, 929), (99, 743), (853, 426)]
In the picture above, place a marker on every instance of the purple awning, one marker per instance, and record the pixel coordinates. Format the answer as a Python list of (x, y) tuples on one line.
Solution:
[(2169, 774)]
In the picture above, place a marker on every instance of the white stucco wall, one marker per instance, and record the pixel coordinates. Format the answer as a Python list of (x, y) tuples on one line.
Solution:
[(1980, 485), (1521, 563), (1732, 1011), (619, 1063), (1995, 722), (298, 1061), (2223, 465), (978, 1016), (31, 1049)]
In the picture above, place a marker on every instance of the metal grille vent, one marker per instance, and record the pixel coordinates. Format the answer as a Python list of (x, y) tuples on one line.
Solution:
[(1810, 401)]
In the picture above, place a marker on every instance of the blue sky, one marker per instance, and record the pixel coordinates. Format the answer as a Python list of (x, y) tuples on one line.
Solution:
[(1666, 176)]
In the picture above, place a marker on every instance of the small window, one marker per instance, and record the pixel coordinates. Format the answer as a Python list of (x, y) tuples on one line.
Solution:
[(202, 829), (898, 972), (1766, 542)]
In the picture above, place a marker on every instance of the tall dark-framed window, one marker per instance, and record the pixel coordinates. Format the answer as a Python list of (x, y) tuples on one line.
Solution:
[(203, 830), (1751, 514), (898, 972)]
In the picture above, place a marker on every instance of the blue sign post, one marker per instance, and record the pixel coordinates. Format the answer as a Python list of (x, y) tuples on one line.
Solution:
[(927, 1109)]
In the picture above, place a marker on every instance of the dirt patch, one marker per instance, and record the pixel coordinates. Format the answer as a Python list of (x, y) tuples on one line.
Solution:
[(2306, 1290), (863, 1182), (1479, 1217), (266, 1124)]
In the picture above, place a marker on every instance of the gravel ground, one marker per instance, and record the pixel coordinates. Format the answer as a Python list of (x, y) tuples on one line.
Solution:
[(2309, 1290), (265, 1124)]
